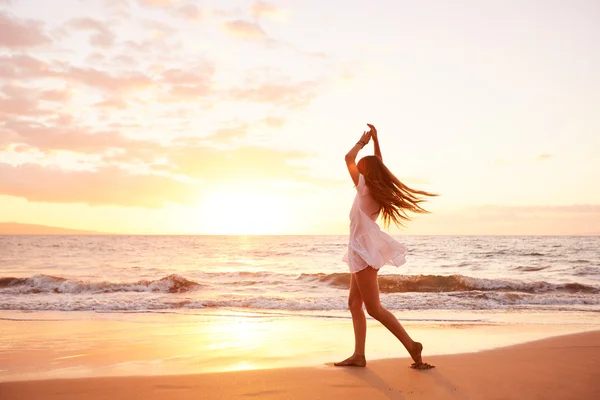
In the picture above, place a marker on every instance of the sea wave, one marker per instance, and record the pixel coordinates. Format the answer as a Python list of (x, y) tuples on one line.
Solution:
[(55, 284), (387, 284), (455, 283)]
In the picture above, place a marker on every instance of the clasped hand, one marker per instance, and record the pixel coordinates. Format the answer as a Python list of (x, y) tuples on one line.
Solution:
[(367, 135)]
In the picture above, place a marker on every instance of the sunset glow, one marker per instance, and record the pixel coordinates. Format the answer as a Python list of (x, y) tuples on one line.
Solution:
[(232, 212), (233, 117)]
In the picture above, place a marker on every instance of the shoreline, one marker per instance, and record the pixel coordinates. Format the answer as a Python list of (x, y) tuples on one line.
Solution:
[(48, 345), (537, 369)]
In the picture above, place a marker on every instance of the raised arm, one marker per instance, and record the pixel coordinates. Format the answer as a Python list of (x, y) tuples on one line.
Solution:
[(351, 156), (375, 141)]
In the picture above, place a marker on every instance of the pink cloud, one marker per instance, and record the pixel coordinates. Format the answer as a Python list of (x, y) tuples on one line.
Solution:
[(159, 28), (15, 33), (188, 11), (104, 81), (186, 85), (103, 36), (126, 60), (62, 134), (26, 67), (21, 101), (112, 102), (150, 46), (187, 156), (158, 3), (188, 92), (118, 8), (106, 186), (244, 29), (20, 106), (181, 77), (293, 95), (22, 66), (58, 96)]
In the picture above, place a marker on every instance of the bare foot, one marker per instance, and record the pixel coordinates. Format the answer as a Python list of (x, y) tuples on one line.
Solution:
[(416, 356), (415, 353), (352, 361)]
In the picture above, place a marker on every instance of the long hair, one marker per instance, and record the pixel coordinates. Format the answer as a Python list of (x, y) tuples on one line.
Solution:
[(394, 197)]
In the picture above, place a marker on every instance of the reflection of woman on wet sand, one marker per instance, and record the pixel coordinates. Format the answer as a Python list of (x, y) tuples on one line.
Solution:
[(378, 191)]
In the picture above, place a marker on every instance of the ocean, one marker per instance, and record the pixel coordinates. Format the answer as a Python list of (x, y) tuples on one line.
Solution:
[(291, 274)]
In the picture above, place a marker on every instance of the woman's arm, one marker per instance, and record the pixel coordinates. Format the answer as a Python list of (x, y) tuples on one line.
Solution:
[(351, 156), (375, 141)]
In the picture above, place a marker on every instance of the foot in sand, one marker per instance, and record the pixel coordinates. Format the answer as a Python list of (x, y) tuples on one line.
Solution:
[(416, 356), (352, 361), (421, 366)]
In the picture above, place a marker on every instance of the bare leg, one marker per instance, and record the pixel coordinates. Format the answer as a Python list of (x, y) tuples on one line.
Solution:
[(359, 321), (369, 290)]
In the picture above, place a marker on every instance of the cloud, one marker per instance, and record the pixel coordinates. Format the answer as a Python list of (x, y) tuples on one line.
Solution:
[(158, 3), (185, 85), (158, 29), (22, 66), (104, 81), (112, 102), (21, 101), (187, 11), (261, 8), (26, 67), (229, 133), (189, 156), (63, 134), (103, 36), (106, 186), (15, 33), (118, 8), (542, 157), (244, 29), (55, 95), (19, 106), (294, 95)]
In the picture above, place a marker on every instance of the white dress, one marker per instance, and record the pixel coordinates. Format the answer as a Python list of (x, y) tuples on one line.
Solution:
[(368, 245)]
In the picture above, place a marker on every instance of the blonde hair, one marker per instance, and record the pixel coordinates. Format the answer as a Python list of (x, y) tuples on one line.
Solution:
[(394, 197)]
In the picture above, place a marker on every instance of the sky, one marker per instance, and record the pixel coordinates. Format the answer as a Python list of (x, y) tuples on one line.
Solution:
[(233, 117)]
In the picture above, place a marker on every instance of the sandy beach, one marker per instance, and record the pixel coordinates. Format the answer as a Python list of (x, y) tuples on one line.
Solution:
[(248, 355), (563, 367)]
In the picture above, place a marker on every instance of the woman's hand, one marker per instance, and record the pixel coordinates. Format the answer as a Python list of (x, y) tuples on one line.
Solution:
[(373, 131), (365, 137)]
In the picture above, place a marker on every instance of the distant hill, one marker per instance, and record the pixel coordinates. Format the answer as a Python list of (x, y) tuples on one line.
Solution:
[(15, 228)]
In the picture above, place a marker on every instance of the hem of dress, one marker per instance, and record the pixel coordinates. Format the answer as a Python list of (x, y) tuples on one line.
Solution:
[(365, 267)]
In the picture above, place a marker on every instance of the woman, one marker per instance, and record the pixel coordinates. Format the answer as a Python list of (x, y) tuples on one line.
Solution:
[(378, 192)]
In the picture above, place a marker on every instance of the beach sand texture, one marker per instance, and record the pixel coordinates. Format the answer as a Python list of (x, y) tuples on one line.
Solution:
[(564, 367)]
